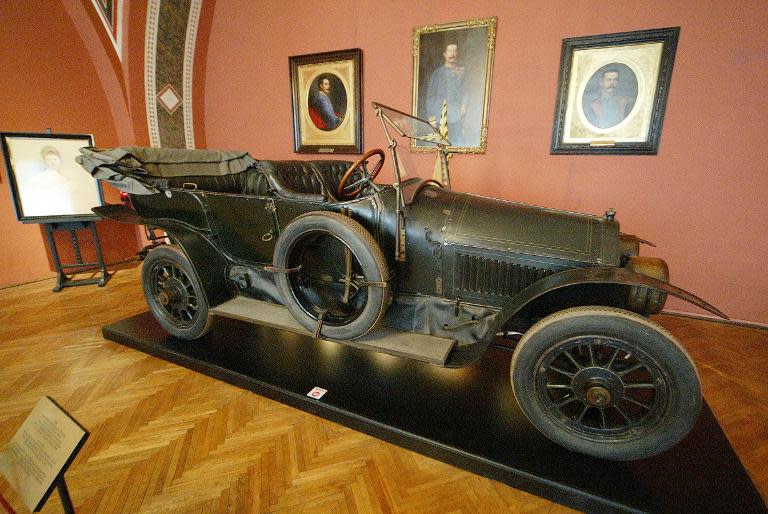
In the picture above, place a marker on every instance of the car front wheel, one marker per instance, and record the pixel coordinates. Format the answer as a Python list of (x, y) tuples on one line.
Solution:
[(606, 382)]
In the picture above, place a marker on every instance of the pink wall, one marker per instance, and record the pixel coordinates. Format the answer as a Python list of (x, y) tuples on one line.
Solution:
[(702, 199), (57, 72)]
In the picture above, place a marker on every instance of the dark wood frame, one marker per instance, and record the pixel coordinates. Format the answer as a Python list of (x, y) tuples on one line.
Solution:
[(355, 146), (602, 145), (15, 186)]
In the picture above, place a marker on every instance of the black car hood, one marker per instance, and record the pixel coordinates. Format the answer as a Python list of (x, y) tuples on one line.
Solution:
[(511, 227)]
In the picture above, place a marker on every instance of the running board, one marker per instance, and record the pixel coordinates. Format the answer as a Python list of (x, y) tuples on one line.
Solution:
[(412, 345)]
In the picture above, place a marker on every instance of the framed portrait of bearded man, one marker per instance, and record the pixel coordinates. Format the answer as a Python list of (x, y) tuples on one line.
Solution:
[(452, 68), (612, 92)]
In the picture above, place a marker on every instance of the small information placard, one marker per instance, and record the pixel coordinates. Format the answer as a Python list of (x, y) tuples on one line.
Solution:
[(317, 393), (40, 452)]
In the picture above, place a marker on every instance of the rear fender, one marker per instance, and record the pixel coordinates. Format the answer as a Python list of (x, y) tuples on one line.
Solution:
[(209, 264), (598, 275), (119, 212)]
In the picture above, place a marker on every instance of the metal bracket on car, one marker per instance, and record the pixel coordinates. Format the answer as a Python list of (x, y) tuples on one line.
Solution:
[(400, 236), (437, 246), (273, 269), (473, 321), (347, 272), (375, 284), (320, 323)]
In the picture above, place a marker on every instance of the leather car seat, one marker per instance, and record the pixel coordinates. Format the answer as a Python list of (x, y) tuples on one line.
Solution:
[(313, 181)]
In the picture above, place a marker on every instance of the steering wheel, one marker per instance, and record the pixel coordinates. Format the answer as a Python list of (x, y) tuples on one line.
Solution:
[(352, 190)]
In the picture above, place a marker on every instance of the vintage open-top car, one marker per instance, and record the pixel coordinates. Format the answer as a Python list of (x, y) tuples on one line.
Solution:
[(418, 270)]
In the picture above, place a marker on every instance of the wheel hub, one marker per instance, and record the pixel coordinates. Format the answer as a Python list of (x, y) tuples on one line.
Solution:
[(598, 386), (598, 396), (171, 294)]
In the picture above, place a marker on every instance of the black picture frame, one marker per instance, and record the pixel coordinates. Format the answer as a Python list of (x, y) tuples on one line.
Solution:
[(612, 92), (40, 195), (327, 95)]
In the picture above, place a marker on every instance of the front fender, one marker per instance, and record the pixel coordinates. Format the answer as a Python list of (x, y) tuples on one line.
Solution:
[(598, 275)]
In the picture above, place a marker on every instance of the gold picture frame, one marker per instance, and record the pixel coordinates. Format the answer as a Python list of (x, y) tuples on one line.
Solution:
[(454, 61)]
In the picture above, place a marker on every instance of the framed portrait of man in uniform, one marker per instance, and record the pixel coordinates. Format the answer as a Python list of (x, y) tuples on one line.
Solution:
[(327, 98), (612, 92), (452, 68)]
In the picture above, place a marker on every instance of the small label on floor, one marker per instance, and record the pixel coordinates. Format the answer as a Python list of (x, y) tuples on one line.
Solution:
[(317, 393)]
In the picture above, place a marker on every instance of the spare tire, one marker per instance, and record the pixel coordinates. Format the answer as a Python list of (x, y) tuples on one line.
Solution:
[(329, 267)]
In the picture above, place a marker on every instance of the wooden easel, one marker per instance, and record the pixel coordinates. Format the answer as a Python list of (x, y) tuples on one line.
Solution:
[(62, 280)]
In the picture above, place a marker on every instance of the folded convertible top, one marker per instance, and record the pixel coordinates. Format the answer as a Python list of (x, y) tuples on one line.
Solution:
[(140, 170)]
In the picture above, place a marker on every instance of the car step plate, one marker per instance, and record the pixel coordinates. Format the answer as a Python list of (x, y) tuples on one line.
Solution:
[(423, 347)]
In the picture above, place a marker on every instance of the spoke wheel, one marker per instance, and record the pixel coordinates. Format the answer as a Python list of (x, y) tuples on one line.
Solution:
[(600, 385), (174, 294), (606, 382)]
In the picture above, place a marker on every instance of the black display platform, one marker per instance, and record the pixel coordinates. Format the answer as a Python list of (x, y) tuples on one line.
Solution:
[(466, 417)]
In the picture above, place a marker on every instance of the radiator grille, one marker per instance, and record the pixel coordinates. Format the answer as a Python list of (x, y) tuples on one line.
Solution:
[(495, 277)]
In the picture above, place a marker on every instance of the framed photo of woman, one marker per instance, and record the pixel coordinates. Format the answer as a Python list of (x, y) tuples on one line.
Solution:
[(46, 183)]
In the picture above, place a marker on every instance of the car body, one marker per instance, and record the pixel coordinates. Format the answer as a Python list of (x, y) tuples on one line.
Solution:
[(419, 257)]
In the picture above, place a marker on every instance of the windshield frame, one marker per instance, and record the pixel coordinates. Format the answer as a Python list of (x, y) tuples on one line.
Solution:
[(434, 137), (440, 148)]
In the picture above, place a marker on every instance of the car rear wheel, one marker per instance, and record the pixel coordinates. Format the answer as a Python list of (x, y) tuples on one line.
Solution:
[(606, 382), (174, 293), (331, 273)]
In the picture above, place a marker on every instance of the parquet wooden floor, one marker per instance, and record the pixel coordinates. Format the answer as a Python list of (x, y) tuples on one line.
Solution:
[(165, 439)]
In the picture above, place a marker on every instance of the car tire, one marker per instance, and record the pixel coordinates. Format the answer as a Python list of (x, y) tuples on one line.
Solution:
[(310, 258), (174, 294), (606, 382)]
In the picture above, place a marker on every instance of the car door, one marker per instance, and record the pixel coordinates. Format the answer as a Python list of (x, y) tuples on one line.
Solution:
[(244, 225)]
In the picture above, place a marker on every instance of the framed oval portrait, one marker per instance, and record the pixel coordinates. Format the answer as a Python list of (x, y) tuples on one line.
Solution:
[(327, 102), (327, 98), (612, 92), (609, 96)]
